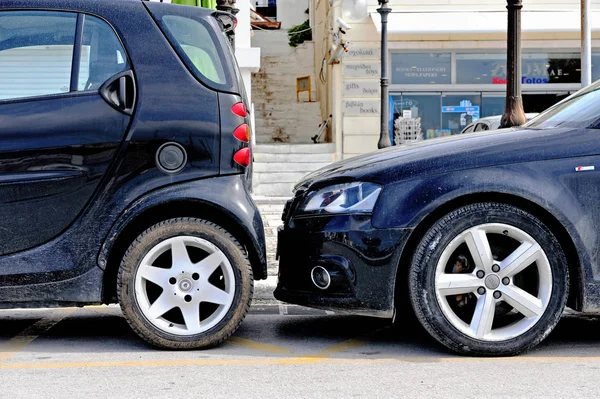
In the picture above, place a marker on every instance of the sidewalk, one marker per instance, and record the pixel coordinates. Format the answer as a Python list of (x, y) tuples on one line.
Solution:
[(270, 209)]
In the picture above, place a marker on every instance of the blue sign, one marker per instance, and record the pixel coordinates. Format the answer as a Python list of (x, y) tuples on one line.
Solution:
[(463, 110)]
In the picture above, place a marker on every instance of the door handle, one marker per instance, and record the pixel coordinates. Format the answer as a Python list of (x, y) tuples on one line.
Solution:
[(120, 92)]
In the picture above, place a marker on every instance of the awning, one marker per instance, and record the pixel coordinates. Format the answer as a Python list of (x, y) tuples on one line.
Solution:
[(470, 22)]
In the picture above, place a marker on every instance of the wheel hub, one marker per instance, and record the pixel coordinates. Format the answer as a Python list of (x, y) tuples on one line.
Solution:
[(185, 284), (492, 282)]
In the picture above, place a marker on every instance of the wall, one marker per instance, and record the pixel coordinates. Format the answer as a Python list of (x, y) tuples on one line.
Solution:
[(280, 118), (441, 5), (291, 12)]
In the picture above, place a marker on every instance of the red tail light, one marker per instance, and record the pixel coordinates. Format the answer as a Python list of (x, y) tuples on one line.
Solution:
[(240, 110), (243, 157), (242, 133)]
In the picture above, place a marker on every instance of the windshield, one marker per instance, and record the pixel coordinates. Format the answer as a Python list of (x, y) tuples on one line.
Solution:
[(580, 110)]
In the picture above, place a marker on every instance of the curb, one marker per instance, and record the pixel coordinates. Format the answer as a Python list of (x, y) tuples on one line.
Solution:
[(263, 290)]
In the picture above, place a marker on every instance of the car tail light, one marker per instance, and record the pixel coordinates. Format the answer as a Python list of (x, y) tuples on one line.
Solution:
[(242, 133), (235, 22), (243, 157), (240, 110)]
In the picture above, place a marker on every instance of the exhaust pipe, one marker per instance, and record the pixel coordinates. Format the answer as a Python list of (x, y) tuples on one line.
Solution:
[(320, 277)]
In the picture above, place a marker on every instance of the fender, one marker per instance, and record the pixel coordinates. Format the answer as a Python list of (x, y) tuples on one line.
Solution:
[(547, 184), (213, 193)]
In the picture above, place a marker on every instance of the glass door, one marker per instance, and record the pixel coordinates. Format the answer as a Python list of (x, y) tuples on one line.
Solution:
[(424, 107), (459, 110)]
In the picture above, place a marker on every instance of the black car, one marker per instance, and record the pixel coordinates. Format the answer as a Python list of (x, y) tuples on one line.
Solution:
[(487, 235), (124, 166)]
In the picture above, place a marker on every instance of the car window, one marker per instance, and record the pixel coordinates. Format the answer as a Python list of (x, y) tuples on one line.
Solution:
[(580, 110), (469, 129), (481, 127), (102, 54), (198, 47), (36, 53)]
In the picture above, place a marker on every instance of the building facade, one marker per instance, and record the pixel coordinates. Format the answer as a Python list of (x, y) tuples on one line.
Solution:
[(447, 64)]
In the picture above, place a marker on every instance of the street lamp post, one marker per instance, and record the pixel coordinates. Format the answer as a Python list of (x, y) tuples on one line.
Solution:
[(513, 113), (384, 134), (228, 6)]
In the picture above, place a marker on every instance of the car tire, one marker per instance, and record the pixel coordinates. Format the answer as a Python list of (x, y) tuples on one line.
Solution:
[(505, 321), (160, 288)]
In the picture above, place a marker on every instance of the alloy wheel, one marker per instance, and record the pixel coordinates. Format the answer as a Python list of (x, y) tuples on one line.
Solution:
[(493, 282), (185, 285)]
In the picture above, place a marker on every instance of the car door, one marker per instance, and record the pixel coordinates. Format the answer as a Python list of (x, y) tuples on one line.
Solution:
[(66, 96)]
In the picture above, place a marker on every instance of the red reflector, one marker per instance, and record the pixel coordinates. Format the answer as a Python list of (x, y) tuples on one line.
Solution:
[(240, 110), (242, 133), (243, 157)]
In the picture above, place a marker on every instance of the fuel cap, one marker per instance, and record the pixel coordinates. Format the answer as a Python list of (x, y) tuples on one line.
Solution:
[(171, 157)]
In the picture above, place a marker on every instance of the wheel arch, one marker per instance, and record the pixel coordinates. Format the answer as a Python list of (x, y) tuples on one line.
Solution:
[(576, 280), (116, 246)]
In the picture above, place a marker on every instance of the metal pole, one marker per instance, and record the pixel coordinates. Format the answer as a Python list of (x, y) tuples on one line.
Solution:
[(384, 134), (586, 45), (513, 113)]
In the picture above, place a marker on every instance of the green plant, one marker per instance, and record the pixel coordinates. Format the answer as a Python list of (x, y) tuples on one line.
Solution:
[(300, 33)]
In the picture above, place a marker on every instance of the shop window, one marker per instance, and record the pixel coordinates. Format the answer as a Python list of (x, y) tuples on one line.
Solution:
[(424, 106), (537, 68), (459, 110), (492, 106), (426, 68)]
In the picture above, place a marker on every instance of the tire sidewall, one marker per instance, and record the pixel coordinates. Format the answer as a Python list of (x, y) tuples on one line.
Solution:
[(423, 270), (243, 286)]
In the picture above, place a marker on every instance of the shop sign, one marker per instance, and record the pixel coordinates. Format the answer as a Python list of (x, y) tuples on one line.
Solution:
[(361, 88), (362, 107), (427, 68), (362, 69), (536, 69), (362, 52)]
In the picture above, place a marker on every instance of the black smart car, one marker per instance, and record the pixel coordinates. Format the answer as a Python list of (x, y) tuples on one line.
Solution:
[(487, 235), (123, 166)]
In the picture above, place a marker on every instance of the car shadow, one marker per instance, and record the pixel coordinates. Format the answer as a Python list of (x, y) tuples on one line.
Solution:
[(90, 331)]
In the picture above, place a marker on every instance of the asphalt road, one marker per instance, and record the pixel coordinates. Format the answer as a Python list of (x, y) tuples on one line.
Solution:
[(280, 352)]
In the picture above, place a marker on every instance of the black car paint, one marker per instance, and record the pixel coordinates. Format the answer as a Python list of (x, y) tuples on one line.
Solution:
[(109, 178), (532, 168)]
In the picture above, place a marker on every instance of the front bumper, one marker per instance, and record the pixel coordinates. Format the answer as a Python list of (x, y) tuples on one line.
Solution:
[(361, 259)]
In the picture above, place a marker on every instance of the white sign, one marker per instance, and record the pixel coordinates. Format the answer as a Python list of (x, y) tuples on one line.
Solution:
[(362, 107), (361, 88), (407, 113), (356, 52), (365, 69)]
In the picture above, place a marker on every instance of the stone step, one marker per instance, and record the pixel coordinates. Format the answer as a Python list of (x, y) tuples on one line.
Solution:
[(328, 148), (259, 178), (272, 167), (274, 189), (262, 157)]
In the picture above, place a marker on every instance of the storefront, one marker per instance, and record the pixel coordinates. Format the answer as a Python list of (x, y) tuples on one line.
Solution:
[(447, 65), (448, 90)]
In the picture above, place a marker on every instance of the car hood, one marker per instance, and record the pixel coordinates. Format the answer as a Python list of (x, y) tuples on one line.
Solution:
[(447, 154)]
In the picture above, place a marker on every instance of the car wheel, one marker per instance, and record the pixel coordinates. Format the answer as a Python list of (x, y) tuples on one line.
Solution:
[(185, 284), (489, 279)]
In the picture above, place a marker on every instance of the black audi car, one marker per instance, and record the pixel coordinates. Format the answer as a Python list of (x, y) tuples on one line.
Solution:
[(124, 166), (488, 236)]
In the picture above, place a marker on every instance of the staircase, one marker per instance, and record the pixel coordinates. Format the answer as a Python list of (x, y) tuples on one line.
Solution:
[(278, 167), (279, 116)]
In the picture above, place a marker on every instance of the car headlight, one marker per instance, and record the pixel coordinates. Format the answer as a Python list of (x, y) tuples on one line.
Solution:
[(357, 197)]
